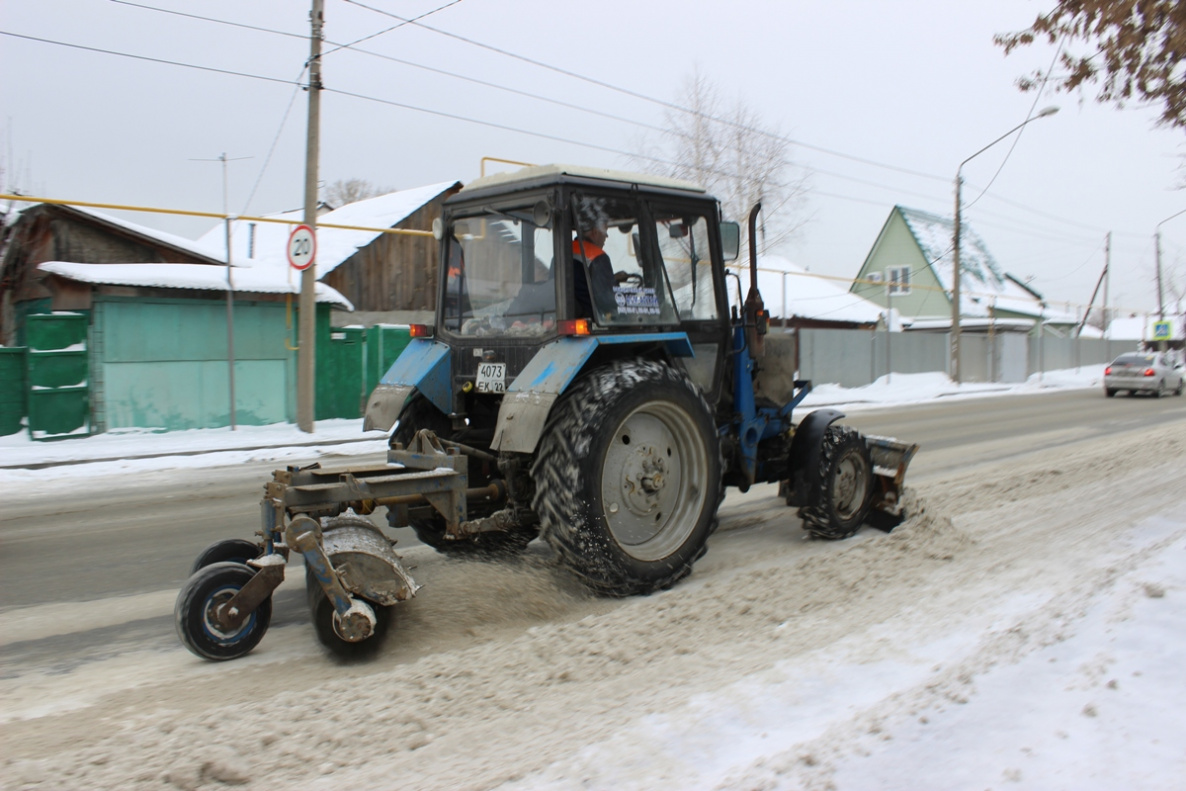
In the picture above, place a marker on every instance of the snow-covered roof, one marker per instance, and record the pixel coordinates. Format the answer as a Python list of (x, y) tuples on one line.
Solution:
[(196, 276), (196, 248), (553, 171), (976, 324), (269, 240), (983, 284), (808, 296), (1140, 328)]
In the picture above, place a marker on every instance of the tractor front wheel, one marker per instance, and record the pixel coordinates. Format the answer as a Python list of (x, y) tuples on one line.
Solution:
[(842, 493)]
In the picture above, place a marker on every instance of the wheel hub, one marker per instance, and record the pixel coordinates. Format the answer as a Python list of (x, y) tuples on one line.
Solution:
[(847, 488), (650, 480), (357, 624)]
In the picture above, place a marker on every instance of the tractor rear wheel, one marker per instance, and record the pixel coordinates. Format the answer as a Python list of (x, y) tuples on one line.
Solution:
[(426, 522), (628, 477), (842, 493)]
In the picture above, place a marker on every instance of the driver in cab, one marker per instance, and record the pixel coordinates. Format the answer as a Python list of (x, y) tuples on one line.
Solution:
[(590, 248)]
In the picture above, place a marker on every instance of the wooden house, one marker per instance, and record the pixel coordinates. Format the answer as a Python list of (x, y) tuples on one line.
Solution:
[(910, 265), (47, 232), (384, 275)]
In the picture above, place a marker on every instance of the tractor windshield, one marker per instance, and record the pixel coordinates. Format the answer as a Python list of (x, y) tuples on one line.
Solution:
[(500, 279)]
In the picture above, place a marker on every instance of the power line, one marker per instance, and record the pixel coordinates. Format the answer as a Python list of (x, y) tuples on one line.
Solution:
[(402, 105), (296, 91), (145, 58), (1020, 131), (644, 97), (610, 116), (504, 127), (412, 64), (411, 21), (244, 26)]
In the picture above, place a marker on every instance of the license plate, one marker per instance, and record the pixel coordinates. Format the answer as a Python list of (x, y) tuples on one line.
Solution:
[(492, 378)]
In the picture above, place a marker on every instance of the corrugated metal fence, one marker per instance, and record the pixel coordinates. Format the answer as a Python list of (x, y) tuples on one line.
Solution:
[(854, 358)]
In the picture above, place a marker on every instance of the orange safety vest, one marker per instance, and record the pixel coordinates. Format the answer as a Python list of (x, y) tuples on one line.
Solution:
[(590, 250)]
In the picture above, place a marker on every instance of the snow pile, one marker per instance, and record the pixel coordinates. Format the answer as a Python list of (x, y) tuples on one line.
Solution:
[(897, 389), (130, 450)]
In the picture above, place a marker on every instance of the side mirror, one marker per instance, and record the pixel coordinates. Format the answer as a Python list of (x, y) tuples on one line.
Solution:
[(730, 239), (438, 228), (541, 214)]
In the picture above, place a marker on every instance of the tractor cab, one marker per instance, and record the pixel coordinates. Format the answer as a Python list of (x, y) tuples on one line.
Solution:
[(553, 252)]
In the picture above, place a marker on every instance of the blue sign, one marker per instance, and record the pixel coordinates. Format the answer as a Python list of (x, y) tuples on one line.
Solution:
[(1162, 331)]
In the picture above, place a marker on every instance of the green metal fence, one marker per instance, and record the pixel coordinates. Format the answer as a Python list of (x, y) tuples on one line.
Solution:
[(385, 342), (56, 369), (350, 362), (341, 355)]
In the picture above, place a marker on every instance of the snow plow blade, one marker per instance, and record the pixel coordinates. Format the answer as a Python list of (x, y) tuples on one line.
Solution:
[(890, 460)]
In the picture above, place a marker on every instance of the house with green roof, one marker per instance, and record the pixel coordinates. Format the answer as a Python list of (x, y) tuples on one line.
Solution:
[(909, 268)]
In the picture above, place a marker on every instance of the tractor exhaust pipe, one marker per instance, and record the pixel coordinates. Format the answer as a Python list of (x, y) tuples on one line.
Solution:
[(756, 320)]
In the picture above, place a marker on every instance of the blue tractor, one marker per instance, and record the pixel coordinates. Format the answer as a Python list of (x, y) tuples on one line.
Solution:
[(586, 382)]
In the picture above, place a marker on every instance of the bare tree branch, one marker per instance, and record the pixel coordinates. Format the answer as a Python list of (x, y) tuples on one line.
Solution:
[(1140, 51), (341, 192), (726, 149)]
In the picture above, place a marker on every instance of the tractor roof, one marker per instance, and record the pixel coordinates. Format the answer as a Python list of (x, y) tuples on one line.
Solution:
[(540, 175)]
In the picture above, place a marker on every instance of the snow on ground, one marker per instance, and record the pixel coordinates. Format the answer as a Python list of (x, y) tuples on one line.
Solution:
[(1024, 629), (132, 450)]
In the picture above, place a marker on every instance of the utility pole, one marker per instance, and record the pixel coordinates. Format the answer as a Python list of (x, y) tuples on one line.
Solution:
[(955, 284), (230, 296), (308, 304), (1107, 281), (230, 284), (1160, 296)]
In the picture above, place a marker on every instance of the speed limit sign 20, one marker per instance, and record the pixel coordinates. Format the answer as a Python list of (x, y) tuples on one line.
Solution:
[(302, 247)]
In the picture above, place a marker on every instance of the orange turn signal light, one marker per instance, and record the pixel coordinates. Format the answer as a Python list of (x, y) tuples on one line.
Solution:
[(420, 331), (573, 327)]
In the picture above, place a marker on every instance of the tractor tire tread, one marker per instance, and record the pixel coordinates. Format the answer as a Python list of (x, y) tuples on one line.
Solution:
[(560, 478), (818, 517)]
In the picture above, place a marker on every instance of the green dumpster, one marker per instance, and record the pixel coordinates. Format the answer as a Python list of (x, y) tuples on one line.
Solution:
[(13, 398)]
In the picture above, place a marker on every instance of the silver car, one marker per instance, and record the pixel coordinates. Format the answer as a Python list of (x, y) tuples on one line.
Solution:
[(1155, 373)]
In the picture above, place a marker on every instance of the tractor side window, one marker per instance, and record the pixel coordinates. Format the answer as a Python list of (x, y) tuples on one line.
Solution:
[(683, 245), (616, 280)]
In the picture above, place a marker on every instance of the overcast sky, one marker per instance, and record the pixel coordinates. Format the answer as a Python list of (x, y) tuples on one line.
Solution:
[(883, 98)]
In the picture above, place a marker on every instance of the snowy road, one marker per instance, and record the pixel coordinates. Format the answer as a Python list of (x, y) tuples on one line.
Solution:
[(1022, 630)]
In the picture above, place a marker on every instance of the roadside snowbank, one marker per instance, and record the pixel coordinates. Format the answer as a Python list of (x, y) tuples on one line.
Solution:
[(131, 450)]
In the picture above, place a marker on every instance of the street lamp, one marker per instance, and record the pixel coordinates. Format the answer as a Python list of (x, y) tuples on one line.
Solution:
[(1157, 249), (955, 244)]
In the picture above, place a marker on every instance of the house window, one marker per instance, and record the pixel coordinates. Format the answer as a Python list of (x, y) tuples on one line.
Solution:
[(874, 277), (899, 279)]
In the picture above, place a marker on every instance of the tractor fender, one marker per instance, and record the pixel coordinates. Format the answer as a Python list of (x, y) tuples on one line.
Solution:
[(529, 399), (423, 366), (805, 451)]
